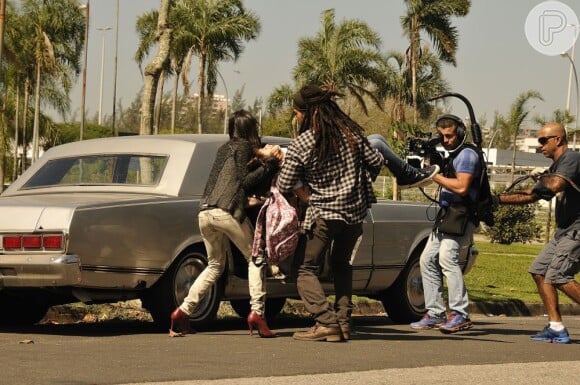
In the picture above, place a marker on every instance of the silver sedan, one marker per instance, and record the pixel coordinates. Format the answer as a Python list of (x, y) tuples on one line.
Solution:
[(114, 219)]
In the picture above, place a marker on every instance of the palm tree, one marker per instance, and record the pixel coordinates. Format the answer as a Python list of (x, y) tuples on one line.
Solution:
[(146, 27), (434, 18), (509, 126), (56, 33), (564, 117), (343, 57), (219, 28), (180, 52), (18, 70), (21, 66), (397, 87), (280, 99), (279, 108), (155, 67)]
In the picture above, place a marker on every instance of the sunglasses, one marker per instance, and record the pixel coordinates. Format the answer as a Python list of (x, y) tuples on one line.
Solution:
[(544, 139)]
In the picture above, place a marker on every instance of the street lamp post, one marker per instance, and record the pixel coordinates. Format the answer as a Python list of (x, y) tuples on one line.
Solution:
[(84, 86), (227, 101), (573, 70), (103, 30)]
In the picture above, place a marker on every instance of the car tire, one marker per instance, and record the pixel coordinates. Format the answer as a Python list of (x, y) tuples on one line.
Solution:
[(19, 311), (273, 307), (168, 293), (404, 301)]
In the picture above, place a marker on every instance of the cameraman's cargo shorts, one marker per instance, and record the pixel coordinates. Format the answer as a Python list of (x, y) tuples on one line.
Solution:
[(559, 261)]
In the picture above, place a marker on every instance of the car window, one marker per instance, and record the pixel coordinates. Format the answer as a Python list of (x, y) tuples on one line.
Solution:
[(106, 169)]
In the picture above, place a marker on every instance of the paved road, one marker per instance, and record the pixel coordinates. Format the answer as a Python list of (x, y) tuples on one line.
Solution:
[(496, 351)]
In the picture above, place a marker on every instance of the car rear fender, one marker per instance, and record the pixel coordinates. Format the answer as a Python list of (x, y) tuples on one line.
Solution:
[(384, 276)]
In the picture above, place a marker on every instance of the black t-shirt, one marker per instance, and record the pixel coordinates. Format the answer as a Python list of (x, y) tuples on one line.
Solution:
[(568, 203)]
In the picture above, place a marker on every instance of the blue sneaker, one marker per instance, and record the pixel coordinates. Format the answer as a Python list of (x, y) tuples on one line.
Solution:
[(551, 335), (456, 322), (428, 322)]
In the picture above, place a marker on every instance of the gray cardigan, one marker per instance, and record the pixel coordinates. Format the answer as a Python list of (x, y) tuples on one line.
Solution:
[(229, 182)]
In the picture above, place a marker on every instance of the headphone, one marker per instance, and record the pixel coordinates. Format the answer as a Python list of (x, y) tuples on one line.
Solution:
[(460, 130)]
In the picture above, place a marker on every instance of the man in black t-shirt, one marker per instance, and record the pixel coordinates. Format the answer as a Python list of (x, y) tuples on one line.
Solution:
[(554, 269)]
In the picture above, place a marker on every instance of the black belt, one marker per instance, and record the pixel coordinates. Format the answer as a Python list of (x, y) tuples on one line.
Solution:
[(207, 207)]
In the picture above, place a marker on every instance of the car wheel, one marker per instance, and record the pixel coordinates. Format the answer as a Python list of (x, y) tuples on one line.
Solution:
[(20, 311), (273, 307), (172, 288), (404, 301)]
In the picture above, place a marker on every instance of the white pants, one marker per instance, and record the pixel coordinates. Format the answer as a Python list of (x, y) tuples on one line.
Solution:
[(217, 228)]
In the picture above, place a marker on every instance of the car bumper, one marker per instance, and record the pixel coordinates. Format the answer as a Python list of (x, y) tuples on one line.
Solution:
[(40, 270)]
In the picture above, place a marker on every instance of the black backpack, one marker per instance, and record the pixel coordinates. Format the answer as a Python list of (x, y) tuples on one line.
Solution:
[(482, 208)]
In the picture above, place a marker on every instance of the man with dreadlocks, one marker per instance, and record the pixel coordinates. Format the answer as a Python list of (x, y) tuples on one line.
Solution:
[(335, 162), (333, 159)]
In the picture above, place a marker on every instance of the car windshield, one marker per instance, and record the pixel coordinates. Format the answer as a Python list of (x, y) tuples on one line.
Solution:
[(105, 169)]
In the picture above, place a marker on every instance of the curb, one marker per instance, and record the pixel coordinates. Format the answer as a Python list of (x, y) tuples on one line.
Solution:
[(516, 308), (512, 308), (131, 310)]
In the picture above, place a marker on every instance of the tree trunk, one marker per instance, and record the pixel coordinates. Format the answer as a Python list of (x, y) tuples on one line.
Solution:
[(16, 128), (415, 42), (201, 90), (4, 124), (24, 122), (36, 126), (154, 68), (514, 155), (159, 103), (174, 100), (2, 18)]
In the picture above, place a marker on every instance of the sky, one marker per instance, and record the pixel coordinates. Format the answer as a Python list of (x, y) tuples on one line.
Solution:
[(495, 62)]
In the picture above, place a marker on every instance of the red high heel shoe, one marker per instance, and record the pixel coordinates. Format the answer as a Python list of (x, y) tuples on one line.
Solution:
[(180, 319), (256, 321)]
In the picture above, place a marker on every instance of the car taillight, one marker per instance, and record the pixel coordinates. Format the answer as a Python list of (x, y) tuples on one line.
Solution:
[(52, 242), (32, 241), (11, 242)]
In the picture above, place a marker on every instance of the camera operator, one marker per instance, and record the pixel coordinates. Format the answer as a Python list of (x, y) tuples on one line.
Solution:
[(559, 261), (459, 184)]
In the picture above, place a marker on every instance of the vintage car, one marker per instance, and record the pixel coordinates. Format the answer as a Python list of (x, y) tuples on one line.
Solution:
[(115, 219)]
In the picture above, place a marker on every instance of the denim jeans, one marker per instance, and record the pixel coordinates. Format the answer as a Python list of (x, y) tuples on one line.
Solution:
[(217, 228), (441, 258), (318, 241), (402, 170)]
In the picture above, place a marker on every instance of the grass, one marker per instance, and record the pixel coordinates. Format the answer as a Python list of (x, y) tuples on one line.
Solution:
[(501, 273)]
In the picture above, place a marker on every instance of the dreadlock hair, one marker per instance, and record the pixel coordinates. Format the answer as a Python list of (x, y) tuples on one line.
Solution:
[(325, 118)]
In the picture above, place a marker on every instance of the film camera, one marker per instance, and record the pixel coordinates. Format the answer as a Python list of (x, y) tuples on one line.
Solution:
[(424, 145)]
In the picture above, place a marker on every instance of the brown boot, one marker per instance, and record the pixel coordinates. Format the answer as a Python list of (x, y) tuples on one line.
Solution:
[(345, 329), (318, 332)]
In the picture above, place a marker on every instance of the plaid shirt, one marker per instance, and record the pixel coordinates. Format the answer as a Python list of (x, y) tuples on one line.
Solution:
[(340, 188)]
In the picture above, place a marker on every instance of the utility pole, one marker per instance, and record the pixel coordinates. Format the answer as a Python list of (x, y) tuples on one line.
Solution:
[(103, 30), (115, 129), (84, 89)]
